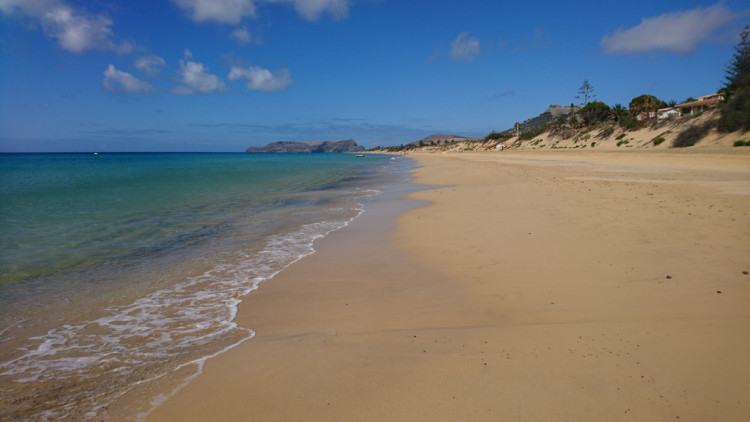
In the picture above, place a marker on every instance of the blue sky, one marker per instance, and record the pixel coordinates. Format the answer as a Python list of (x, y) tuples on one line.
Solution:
[(222, 75)]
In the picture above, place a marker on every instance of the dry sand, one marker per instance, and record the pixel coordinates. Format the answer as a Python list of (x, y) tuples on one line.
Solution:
[(535, 286)]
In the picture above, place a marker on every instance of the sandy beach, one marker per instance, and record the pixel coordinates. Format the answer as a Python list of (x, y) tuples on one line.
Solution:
[(516, 286)]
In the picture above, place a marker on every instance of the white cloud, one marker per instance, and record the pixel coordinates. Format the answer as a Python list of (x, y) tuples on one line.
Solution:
[(261, 79), (312, 9), (465, 47), (26, 7), (241, 35), (218, 11), (233, 11), (196, 78), (75, 30), (119, 81), (149, 64), (122, 48), (677, 32)]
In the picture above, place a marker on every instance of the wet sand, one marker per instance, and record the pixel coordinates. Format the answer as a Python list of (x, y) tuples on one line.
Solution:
[(534, 286)]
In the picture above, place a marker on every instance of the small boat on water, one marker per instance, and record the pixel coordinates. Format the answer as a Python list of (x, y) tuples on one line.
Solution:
[(360, 155)]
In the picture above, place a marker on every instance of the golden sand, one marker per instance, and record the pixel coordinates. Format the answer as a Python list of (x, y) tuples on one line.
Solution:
[(534, 286)]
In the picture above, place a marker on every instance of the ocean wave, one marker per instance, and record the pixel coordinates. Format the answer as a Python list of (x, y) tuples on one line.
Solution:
[(77, 370)]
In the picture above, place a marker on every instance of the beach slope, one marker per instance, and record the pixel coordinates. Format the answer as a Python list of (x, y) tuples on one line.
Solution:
[(534, 286)]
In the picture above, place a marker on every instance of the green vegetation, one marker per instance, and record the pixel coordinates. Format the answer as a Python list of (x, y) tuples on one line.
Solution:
[(618, 113), (594, 113), (573, 121), (742, 143), (629, 122), (533, 133), (644, 103), (660, 138), (735, 114), (494, 136), (623, 142)]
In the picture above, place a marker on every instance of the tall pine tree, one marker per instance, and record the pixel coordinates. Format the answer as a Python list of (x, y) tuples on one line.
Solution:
[(585, 93), (735, 114), (739, 68)]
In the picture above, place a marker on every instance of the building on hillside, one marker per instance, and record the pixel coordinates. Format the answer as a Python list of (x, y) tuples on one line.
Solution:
[(644, 115), (702, 103), (666, 113)]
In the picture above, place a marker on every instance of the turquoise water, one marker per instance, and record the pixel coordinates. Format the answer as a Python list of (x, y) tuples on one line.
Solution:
[(120, 270), (70, 210)]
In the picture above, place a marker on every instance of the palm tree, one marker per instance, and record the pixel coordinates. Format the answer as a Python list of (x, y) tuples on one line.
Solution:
[(617, 112)]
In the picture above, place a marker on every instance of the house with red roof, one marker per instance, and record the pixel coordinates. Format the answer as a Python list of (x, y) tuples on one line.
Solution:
[(699, 105)]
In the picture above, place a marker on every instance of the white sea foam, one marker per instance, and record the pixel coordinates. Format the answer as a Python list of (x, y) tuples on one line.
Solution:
[(127, 274), (166, 326)]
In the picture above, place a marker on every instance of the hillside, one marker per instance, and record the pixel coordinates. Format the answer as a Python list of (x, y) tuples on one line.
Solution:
[(543, 119), (659, 134)]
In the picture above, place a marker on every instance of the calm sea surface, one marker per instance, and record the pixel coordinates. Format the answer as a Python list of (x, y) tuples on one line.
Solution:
[(121, 273)]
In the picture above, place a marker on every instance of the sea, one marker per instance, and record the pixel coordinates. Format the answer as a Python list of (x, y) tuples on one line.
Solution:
[(121, 273)]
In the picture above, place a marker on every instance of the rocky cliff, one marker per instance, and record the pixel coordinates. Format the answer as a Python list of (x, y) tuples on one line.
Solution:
[(311, 147)]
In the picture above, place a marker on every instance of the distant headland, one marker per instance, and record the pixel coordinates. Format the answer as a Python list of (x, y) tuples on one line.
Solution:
[(309, 147)]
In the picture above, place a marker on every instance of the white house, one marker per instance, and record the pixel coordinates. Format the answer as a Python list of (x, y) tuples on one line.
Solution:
[(666, 113)]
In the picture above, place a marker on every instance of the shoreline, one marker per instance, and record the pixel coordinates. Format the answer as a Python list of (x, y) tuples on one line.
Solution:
[(582, 287)]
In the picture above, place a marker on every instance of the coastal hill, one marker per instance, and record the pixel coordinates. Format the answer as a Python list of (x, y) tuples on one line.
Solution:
[(541, 132), (310, 147), (677, 132), (544, 119)]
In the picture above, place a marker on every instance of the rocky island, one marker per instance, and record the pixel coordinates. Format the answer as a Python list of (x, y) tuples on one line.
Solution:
[(309, 147)]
